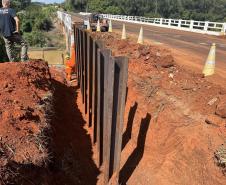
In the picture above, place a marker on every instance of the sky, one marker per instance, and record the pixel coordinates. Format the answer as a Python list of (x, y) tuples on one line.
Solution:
[(48, 1)]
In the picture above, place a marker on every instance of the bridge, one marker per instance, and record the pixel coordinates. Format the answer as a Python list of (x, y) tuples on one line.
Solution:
[(171, 105), (190, 47), (115, 108)]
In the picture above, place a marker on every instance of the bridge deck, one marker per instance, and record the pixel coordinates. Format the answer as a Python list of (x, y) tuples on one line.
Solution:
[(189, 49)]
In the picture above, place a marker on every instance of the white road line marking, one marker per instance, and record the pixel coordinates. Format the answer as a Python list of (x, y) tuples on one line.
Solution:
[(177, 36), (158, 43)]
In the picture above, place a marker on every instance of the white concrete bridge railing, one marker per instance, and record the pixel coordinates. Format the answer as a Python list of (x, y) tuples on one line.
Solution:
[(66, 20), (204, 27)]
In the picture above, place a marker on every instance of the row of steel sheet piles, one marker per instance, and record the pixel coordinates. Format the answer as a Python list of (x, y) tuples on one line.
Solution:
[(102, 79)]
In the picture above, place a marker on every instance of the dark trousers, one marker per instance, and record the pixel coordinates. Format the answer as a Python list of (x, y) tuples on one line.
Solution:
[(9, 44)]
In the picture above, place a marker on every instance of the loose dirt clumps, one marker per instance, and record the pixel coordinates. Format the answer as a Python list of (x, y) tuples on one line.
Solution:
[(187, 123), (221, 107), (145, 53), (25, 114)]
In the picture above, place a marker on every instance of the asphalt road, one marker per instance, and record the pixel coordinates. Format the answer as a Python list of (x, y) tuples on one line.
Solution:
[(194, 45), (198, 44)]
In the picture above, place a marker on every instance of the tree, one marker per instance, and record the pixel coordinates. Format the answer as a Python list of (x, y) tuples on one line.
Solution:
[(76, 5), (18, 5), (212, 10), (43, 24), (26, 25), (35, 38)]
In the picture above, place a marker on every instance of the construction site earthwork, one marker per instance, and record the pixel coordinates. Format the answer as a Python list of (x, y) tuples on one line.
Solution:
[(121, 110)]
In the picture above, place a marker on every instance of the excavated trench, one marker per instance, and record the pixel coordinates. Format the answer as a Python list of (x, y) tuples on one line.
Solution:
[(42, 139), (174, 124)]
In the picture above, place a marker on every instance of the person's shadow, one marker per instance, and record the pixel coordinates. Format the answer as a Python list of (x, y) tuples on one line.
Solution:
[(136, 156)]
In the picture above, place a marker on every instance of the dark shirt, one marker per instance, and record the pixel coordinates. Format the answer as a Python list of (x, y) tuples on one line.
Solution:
[(7, 22)]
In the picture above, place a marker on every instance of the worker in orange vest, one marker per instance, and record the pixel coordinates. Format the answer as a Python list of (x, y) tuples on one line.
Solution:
[(70, 63), (68, 69)]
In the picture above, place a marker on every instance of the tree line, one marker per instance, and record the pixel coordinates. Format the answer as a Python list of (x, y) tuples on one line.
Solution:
[(18, 5), (211, 10), (35, 21)]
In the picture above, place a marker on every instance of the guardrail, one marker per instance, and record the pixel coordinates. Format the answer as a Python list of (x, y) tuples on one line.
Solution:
[(204, 27), (66, 21), (102, 79), (85, 13)]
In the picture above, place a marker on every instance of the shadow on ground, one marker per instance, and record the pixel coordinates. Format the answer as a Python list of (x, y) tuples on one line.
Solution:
[(72, 149), (136, 156), (128, 133)]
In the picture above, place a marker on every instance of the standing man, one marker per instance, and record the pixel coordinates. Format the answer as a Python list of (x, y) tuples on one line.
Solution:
[(9, 29)]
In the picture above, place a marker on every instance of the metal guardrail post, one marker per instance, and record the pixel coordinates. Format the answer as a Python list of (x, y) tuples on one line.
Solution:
[(96, 46), (94, 94), (77, 44), (161, 20), (82, 65), (224, 29), (191, 24), (105, 78), (206, 26), (90, 77), (120, 88), (85, 71), (100, 104), (179, 23), (77, 40), (187, 25), (108, 111), (169, 23)]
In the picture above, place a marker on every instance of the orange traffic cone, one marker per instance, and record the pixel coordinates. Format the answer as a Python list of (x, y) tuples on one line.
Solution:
[(98, 26), (88, 26), (141, 36), (110, 26), (124, 32)]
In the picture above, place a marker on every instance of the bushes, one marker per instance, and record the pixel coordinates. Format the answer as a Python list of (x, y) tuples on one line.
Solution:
[(43, 24), (17, 5), (36, 20), (26, 26), (35, 38)]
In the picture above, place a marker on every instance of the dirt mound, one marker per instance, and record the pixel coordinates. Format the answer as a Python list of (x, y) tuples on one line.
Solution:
[(221, 107), (146, 53), (187, 123), (25, 110)]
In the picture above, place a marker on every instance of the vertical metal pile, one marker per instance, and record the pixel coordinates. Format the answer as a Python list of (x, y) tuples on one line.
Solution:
[(102, 79)]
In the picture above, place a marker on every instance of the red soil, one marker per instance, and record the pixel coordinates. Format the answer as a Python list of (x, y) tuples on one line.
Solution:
[(171, 126), (42, 141), (25, 96), (72, 162), (174, 122)]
